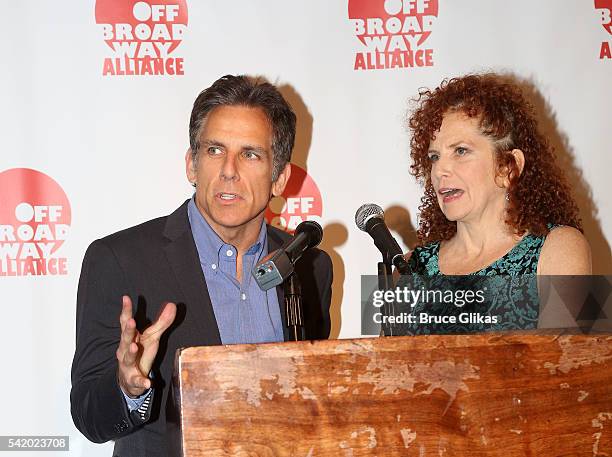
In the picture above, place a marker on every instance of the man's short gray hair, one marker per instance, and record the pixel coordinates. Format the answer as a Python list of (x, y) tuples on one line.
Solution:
[(251, 92)]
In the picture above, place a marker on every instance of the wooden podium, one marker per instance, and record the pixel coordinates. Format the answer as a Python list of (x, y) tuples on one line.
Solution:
[(493, 394)]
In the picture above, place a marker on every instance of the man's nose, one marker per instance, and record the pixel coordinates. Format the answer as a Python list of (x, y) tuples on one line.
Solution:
[(229, 170)]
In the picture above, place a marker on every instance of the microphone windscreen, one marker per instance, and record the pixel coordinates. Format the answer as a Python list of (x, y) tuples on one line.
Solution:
[(365, 213), (312, 230)]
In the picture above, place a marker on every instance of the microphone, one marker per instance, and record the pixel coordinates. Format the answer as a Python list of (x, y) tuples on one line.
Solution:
[(277, 266), (370, 218)]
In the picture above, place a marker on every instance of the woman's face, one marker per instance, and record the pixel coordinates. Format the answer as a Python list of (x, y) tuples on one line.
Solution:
[(463, 171)]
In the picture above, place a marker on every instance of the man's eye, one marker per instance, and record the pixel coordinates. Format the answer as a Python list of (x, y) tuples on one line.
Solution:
[(214, 150), (251, 155), (433, 156)]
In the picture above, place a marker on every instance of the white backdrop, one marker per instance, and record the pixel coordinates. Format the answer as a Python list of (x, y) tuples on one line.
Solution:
[(115, 143)]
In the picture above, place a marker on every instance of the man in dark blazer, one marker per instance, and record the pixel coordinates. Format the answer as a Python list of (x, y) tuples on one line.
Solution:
[(184, 279)]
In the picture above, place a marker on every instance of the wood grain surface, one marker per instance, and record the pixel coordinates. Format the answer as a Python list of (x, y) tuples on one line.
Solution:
[(510, 394)]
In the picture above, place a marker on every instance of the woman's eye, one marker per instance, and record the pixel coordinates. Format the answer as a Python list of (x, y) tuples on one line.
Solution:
[(433, 157), (461, 151)]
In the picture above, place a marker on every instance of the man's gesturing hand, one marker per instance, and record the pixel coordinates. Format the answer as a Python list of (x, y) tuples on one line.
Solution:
[(136, 350)]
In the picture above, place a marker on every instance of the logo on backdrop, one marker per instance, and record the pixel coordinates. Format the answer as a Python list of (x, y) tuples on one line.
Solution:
[(393, 32), (300, 201), (604, 13), (143, 36), (34, 222)]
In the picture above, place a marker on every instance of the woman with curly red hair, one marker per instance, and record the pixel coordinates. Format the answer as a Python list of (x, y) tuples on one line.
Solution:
[(491, 183), (495, 202)]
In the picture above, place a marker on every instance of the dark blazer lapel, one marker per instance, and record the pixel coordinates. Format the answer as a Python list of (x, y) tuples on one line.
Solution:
[(274, 243), (183, 258)]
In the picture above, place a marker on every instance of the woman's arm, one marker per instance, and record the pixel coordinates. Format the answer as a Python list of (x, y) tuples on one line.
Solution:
[(562, 297)]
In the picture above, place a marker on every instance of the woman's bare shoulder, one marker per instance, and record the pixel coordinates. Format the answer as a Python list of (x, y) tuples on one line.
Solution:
[(565, 252)]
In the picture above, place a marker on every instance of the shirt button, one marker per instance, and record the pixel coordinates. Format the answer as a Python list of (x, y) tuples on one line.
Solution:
[(230, 253), (214, 266), (243, 296)]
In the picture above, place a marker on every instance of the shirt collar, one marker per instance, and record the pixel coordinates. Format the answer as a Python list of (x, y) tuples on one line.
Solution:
[(210, 246)]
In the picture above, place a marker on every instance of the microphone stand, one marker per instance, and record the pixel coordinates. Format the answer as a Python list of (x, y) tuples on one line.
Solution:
[(385, 282), (294, 316)]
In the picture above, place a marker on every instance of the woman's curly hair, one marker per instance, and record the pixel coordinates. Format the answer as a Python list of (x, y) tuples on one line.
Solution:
[(537, 197)]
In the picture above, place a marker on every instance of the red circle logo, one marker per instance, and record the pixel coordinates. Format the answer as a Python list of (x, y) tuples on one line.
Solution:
[(142, 35), (35, 219), (300, 201)]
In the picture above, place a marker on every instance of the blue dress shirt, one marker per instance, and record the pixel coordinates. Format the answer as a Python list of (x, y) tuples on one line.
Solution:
[(244, 312)]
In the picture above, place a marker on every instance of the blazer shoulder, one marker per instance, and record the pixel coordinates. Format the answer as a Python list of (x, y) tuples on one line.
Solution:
[(136, 235), (153, 225), (171, 225)]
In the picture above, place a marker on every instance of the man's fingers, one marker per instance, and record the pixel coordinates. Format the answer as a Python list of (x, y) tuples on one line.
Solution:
[(139, 382), (165, 319), (167, 315), (138, 350), (129, 351), (130, 356), (127, 336), (126, 310), (134, 383)]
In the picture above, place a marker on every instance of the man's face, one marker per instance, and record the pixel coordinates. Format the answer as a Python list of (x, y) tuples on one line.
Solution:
[(233, 175)]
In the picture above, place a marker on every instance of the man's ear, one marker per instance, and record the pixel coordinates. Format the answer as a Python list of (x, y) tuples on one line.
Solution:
[(190, 170), (279, 185)]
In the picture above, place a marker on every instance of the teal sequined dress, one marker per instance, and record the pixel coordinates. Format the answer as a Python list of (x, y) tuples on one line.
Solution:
[(508, 285)]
